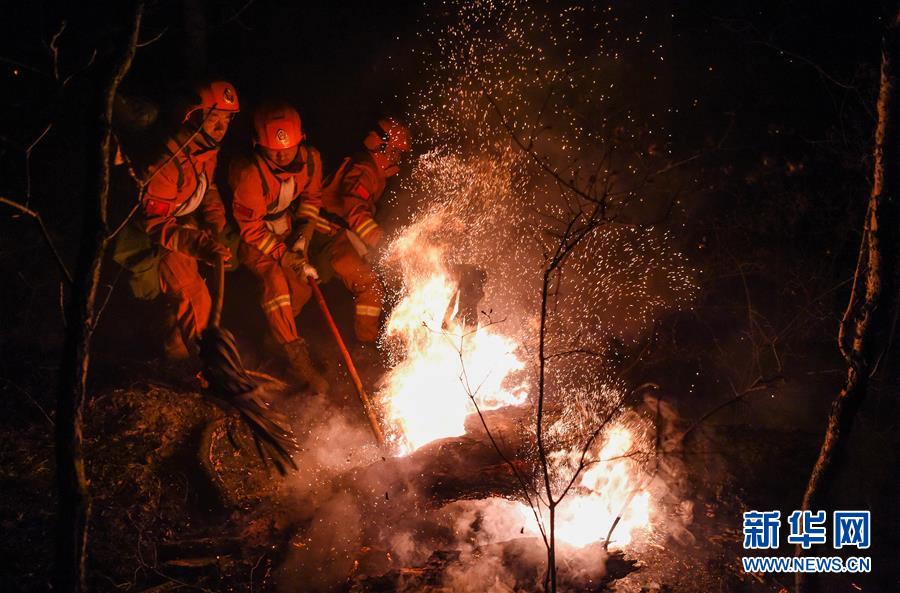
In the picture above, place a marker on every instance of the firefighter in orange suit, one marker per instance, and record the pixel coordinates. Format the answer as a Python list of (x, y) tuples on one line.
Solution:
[(277, 196), (183, 216), (347, 222)]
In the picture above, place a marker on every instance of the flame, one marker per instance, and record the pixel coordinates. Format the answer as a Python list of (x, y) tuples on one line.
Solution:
[(428, 394), (438, 368), (611, 487)]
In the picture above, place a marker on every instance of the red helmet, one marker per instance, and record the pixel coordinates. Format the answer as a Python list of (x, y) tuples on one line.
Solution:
[(277, 127), (388, 135), (219, 95)]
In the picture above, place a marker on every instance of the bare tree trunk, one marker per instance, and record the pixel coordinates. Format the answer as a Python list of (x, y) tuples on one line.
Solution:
[(74, 503), (871, 298)]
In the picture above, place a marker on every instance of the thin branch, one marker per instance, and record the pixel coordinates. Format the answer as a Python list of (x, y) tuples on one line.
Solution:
[(236, 16), (756, 386), (54, 49), (532, 154), (573, 352), (801, 58), (111, 287), (28, 150), (87, 65), (30, 398), (126, 220), (46, 234), (590, 442), (535, 508), (154, 39), (62, 304)]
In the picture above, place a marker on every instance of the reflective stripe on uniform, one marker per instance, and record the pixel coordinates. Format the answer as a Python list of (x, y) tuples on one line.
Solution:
[(365, 228), (308, 211), (368, 310), (268, 244), (283, 300), (324, 225)]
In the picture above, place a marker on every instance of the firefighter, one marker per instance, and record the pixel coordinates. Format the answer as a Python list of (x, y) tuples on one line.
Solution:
[(277, 194), (346, 229), (181, 219)]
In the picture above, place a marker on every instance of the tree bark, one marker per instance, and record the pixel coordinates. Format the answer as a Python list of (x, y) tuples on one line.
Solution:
[(73, 500), (872, 296)]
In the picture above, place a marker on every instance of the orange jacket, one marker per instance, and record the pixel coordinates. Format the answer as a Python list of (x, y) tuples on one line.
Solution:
[(352, 194), (181, 185), (262, 197)]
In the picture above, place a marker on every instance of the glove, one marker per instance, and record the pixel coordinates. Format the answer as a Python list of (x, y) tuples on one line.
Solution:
[(309, 271), (299, 245), (201, 245), (230, 240), (300, 265)]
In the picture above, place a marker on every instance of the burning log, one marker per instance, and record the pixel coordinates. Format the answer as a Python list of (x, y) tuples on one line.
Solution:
[(442, 472), (463, 305), (464, 469)]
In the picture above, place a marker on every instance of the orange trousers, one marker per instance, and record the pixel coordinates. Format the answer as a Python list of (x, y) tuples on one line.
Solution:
[(363, 284), (182, 285), (283, 292)]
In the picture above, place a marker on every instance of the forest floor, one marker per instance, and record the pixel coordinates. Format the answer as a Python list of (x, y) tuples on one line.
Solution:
[(176, 506)]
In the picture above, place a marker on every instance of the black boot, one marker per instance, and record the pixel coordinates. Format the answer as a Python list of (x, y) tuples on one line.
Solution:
[(301, 367)]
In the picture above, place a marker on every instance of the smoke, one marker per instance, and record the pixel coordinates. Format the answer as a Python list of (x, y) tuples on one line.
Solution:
[(511, 89), (360, 518)]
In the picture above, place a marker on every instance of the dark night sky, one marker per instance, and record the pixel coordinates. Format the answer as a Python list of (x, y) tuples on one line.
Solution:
[(344, 62)]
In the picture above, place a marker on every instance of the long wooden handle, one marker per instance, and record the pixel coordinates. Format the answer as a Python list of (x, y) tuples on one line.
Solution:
[(351, 368), (215, 316)]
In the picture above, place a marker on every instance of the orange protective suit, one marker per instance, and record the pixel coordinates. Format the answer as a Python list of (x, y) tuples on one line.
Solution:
[(182, 212), (266, 210), (350, 198)]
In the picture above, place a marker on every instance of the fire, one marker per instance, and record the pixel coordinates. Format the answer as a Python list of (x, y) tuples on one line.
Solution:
[(439, 366), (608, 489), (426, 396)]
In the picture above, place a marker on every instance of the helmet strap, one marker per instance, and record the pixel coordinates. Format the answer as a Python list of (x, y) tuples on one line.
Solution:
[(295, 166), (207, 139)]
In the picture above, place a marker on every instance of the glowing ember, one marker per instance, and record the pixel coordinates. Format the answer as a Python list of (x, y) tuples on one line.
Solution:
[(426, 396)]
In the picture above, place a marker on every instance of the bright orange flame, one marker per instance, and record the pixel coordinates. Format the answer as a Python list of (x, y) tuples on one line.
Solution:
[(428, 393), (426, 396), (607, 488)]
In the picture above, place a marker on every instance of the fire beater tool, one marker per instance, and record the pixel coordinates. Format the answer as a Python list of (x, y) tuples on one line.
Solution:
[(233, 389), (351, 368)]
